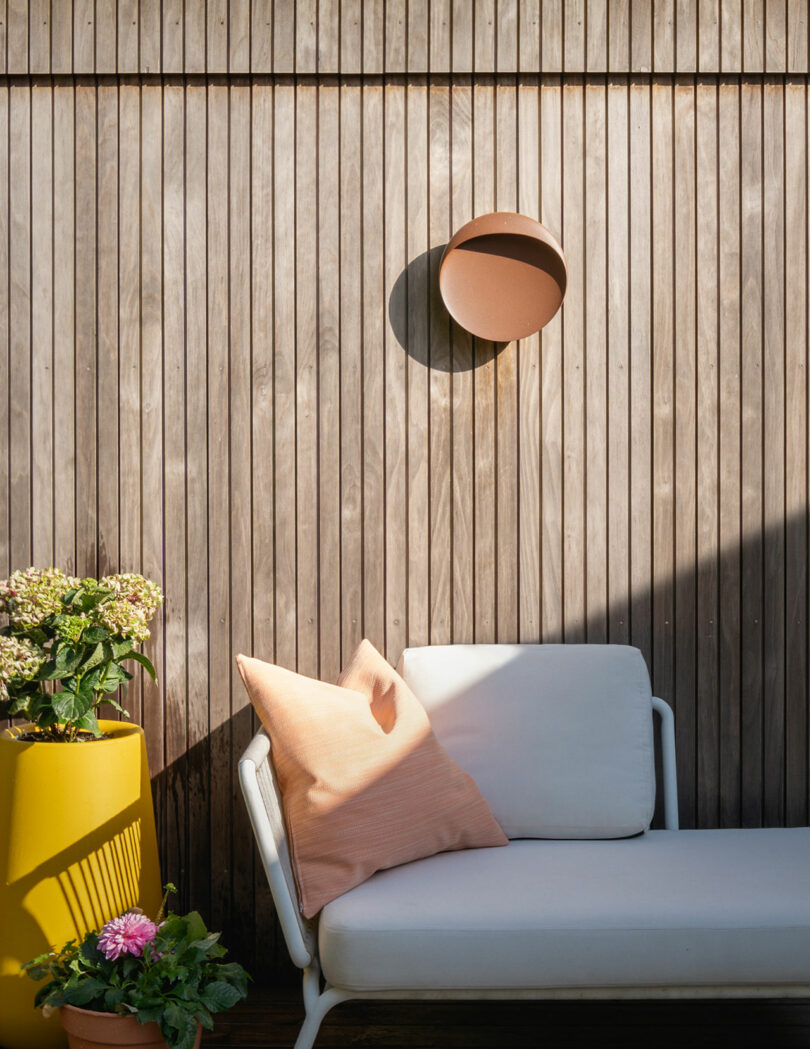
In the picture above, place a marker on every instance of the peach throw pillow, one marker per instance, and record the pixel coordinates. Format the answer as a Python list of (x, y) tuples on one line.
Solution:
[(364, 782)]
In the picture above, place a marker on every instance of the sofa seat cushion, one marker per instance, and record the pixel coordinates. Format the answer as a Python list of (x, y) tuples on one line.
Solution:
[(677, 908), (559, 738)]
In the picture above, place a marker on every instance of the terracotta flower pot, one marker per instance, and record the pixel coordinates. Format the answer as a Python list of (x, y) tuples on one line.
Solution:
[(89, 1030)]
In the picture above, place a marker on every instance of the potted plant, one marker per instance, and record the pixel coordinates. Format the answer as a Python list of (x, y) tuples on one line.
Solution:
[(140, 982), (77, 831)]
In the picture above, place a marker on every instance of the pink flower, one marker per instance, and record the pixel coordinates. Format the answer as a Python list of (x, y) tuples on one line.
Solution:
[(127, 934)]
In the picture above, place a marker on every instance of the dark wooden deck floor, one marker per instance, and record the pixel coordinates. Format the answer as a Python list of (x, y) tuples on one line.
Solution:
[(270, 1020)]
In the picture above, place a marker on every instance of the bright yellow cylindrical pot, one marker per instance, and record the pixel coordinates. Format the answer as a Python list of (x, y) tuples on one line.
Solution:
[(77, 847)]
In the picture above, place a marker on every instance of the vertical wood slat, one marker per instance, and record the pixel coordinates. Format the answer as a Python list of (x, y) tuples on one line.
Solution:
[(506, 389), (484, 424), (151, 273), (730, 346), (61, 38), (41, 325), (619, 23), (327, 350), (86, 357), (751, 428), (595, 368), (240, 567), (551, 366), (663, 406), (128, 49), (641, 492), (731, 40), (618, 365), (19, 308), (686, 35), (687, 617), (395, 379), (596, 36), (198, 860), (262, 423), (350, 348), (438, 230), (307, 363), (107, 332), (375, 302), (414, 307), (284, 373), (773, 465), (218, 509), (175, 570), (64, 462), (573, 377), (530, 590), (463, 380), (707, 460)]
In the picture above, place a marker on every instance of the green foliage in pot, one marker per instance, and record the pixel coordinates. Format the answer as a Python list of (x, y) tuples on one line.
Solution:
[(169, 971), (65, 643)]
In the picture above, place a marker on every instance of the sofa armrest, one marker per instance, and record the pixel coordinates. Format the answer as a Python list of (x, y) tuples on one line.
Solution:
[(669, 775), (263, 801)]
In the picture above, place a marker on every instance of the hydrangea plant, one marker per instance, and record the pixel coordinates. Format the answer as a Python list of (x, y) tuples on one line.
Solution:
[(169, 971), (63, 648)]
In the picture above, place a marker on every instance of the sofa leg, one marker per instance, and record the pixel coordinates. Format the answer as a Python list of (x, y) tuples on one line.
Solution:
[(317, 1004)]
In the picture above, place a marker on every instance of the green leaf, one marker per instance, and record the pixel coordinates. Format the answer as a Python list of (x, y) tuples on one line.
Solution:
[(68, 659), (115, 677), (113, 997), (95, 657), (145, 662), (84, 991), (87, 601), (17, 706), (219, 995), (95, 633), (202, 1016), (234, 974), (72, 706), (121, 649), (48, 671), (177, 1019), (89, 722), (149, 1015), (117, 706)]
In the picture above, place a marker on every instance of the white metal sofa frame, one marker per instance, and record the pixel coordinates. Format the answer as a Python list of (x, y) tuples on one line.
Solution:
[(263, 800)]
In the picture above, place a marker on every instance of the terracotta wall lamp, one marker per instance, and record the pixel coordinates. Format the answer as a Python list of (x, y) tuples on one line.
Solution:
[(503, 276)]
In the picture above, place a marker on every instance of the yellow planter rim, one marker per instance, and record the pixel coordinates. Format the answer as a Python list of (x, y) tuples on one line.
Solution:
[(114, 729)]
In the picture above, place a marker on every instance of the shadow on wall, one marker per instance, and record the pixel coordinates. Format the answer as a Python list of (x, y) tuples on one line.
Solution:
[(726, 644), (424, 328), (208, 851)]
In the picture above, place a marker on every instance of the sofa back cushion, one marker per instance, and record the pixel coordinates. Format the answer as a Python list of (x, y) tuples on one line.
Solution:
[(559, 738)]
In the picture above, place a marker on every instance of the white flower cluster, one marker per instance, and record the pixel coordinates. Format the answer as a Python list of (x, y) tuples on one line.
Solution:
[(135, 602), (18, 659), (28, 596)]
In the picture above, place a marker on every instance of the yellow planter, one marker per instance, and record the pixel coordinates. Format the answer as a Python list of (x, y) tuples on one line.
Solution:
[(77, 847)]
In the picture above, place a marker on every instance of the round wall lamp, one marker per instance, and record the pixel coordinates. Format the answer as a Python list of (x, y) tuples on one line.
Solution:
[(503, 276)]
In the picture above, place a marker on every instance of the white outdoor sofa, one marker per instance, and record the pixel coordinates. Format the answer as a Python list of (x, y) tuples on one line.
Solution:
[(559, 739)]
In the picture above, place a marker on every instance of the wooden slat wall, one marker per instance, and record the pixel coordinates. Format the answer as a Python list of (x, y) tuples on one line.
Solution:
[(226, 365), (388, 36)]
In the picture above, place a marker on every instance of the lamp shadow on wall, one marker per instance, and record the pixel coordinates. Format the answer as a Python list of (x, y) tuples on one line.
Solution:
[(423, 327)]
